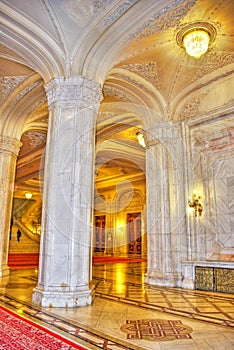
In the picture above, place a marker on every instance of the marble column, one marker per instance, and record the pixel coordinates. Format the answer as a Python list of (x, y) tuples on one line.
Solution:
[(9, 149), (165, 208), (65, 251)]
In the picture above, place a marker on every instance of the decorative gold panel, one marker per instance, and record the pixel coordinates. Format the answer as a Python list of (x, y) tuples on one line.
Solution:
[(204, 278), (224, 280), (214, 279)]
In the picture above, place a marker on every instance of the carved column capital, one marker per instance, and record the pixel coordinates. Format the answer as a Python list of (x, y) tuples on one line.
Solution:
[(77, 90), (160, 133), (9, 145)]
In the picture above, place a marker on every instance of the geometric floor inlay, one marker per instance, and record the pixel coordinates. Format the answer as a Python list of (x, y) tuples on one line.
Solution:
[(161, 330)]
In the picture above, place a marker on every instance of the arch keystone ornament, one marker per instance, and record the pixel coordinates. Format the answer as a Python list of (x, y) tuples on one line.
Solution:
[(156, 330)]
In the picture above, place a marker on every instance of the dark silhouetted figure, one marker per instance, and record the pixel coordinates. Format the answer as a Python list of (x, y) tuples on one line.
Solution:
[(18, 235)]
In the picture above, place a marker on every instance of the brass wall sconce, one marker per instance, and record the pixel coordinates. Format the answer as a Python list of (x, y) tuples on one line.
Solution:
[(141, 139), (195, 204)]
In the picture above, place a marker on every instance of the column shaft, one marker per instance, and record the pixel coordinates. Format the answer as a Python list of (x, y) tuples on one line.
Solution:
[(65, 266)]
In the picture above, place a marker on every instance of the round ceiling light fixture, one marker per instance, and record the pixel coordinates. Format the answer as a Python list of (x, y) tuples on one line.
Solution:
[(28, 195), (195, 38)]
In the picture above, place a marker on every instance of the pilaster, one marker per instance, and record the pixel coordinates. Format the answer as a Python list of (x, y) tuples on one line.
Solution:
[(65, 267)]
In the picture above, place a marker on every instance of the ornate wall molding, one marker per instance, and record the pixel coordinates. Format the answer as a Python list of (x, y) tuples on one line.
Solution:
[(76, 90), (10, 145)]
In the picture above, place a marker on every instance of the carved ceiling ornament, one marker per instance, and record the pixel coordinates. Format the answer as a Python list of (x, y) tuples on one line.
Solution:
[(147, 71), (42, 103), (167, 18), (213, 61), (103, 116), (191, 109), (25, 91), (9, 83), (118, 94), (118, 12), (36, 138), (137, 83)]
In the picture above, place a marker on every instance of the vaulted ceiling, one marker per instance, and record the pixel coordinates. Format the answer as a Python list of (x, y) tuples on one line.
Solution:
[(130, 48)]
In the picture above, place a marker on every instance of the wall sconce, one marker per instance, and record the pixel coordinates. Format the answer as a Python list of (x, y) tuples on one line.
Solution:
[(140, 138), (195, 204), (195, 38), (28, 195)]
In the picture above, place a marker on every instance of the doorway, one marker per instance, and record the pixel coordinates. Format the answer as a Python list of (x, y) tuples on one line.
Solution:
[(100, 225), (134, 233)]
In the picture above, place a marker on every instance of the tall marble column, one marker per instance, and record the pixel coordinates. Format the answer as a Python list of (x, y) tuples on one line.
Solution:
[(165, 206), (65, 251), (9, 149)]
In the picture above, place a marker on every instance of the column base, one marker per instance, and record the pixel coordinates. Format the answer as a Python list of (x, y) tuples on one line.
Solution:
[(163, 279), (189, 276), (4, 271), (62, 299), (188, 283)]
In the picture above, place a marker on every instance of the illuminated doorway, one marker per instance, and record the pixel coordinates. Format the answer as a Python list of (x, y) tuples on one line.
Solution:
[(100, 225), (134, 233)]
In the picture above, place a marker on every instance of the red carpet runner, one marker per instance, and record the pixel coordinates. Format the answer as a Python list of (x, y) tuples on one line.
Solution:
[(27, 261), (23, 261), (114, 260), (18, 333)]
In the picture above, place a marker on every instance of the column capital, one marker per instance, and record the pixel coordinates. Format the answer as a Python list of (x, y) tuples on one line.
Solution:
[(75, 90), (161, 132), (9, 145)]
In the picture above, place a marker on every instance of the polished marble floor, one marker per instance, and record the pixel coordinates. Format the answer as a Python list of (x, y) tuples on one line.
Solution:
[(127, 314)]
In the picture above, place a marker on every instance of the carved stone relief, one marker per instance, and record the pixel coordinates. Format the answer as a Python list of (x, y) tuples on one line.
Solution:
[(78, 90), (119, 94), (36, 138), (213, 61), (9, 84), (167, 18), (117, 12), (26, 91), (147, 71), (191, 109)]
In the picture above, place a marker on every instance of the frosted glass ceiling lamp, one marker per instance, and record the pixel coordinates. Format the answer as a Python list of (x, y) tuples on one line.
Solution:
[(196, 43), (28, 195), (196, 38)]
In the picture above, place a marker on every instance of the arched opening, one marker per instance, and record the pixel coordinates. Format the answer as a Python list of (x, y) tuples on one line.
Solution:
[(119, 223), (25, 230)]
